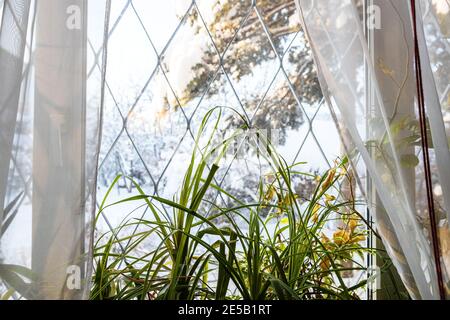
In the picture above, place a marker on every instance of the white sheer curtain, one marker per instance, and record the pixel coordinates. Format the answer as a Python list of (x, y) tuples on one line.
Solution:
[(50, 121), (364, 52)]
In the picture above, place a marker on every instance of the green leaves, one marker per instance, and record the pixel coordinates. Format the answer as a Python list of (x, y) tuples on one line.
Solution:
[(10, 212), (188, 255), (409, 160), (282, 290), (14, 277)]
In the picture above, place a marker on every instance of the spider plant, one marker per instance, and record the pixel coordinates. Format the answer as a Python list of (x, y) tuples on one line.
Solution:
[(285, 255), (173, 270)]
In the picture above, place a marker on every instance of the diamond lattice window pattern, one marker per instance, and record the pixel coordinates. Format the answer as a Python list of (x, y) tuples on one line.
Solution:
[(186, 57)]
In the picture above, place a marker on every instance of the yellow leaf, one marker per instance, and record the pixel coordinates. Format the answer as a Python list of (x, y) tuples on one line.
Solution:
[(325, 263), (357, 239), (316, 208), (385, 69), (329, 179), (270, 193), (315, 214), (353, 222), (324, 238), (341, 237), (329, 198)]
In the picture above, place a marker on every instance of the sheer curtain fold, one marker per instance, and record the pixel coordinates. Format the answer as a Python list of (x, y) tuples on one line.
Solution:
[(13, 30), (435, 51), (434, 42), (364, 53), (50, 109)]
